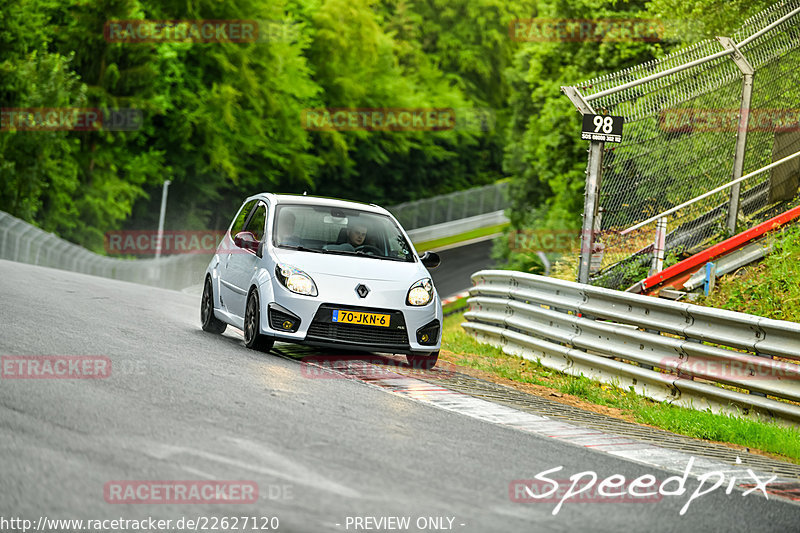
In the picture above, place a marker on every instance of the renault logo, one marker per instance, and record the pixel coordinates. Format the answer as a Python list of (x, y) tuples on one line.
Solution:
[(362, 290)]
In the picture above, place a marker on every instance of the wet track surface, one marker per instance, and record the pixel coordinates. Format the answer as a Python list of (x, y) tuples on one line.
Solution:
[(181, 404)]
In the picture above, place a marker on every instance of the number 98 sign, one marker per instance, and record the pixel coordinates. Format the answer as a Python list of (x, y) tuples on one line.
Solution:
[(606, 128)]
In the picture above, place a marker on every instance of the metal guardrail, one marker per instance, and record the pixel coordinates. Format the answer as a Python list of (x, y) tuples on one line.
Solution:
[(686, 354), (22, 242)]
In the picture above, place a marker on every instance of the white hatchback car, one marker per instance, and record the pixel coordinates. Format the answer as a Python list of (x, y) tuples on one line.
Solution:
[(323, 272)]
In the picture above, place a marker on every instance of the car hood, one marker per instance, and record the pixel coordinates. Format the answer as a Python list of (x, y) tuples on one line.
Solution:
[(356, 267)]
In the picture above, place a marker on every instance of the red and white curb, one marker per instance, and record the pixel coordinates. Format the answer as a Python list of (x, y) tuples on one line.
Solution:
[(455, 297)]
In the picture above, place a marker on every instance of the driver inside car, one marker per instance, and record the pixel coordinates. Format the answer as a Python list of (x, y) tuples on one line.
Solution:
[(356, 235)]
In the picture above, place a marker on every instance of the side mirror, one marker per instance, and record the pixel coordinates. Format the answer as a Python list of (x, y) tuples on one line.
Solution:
[(430, 259), (246, 240)]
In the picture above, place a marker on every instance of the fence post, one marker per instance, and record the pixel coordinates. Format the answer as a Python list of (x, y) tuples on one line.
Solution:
[(741, 132), (594, 171), (658, 246)]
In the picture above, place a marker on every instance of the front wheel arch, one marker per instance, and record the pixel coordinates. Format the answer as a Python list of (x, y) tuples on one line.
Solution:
[(253, 338), (208, 321)]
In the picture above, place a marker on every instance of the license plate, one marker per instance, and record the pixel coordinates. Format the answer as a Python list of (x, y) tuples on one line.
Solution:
[(365, 319)]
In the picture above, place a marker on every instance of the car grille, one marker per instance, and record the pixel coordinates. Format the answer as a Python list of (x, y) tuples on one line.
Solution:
[(323, 330), (358, 334)]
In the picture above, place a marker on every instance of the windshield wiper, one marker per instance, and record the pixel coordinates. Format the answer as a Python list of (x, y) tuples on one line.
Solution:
[(301, 248), (365, 254)]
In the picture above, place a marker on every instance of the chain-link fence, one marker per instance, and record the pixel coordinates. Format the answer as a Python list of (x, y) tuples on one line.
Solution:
[(453, 206), (685, 129), (22, 242)]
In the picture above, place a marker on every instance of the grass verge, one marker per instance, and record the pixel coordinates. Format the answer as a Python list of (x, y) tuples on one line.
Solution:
[(474, 234), (491, 363)]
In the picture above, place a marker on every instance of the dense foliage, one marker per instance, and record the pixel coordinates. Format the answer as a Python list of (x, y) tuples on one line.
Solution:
[(222, 120)]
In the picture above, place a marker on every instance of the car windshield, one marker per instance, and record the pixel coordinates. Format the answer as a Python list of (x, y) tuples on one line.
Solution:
[(326, 229)]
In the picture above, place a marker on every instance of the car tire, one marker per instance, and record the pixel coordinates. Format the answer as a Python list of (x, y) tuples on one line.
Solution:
[(252, 325), (425, 362), (208, 321)]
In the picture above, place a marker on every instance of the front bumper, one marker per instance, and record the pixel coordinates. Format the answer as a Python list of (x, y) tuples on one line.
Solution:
[(308, 320)]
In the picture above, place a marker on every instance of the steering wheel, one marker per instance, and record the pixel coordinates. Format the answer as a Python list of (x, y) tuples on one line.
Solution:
[(368, 249)]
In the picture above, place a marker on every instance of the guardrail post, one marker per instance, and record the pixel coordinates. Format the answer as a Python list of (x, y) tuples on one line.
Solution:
[(741, 133), (711, 278), (659, 245), (594, 171)]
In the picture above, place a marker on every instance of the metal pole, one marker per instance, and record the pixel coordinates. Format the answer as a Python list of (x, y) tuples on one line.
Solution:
[(594, 170), (741, 147), (160, 235), (590, 202), (741, 133)]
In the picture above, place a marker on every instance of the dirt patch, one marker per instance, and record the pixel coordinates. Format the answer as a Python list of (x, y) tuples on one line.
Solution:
[(539, 390)]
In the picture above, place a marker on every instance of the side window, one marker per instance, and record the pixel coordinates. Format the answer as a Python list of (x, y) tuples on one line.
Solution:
[(241, 218), (257, 221)]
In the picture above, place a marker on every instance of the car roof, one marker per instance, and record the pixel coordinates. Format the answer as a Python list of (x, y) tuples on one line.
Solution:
[(320, 200)]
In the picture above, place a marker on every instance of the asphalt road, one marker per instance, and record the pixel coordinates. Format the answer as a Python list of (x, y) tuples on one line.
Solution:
[(458, 264), (181, 404)]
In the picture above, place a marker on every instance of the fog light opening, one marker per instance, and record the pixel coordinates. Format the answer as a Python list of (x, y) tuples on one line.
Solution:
[(281, 319), (428, 335)]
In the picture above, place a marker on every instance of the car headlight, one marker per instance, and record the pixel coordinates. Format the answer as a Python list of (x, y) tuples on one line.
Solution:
[(420, 293), (296, 280)]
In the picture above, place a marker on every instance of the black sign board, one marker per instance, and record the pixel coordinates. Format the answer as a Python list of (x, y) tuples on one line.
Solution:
[(604, 128)]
